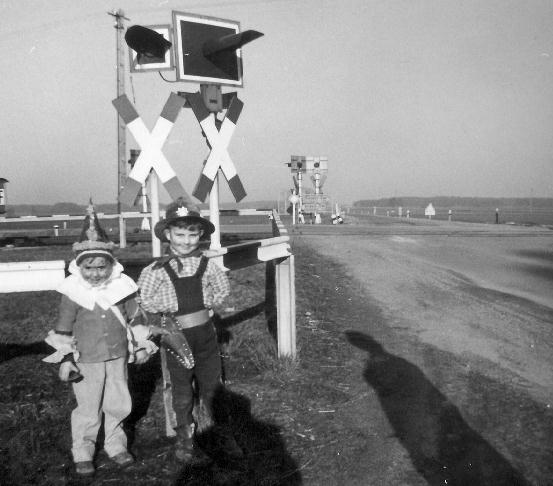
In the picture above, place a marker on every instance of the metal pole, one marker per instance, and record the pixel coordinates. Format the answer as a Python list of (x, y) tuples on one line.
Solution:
[(214, 214), (154, 207), (299, 190)]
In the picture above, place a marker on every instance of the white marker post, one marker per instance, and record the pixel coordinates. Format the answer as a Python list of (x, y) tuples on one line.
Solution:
[(294, 199)]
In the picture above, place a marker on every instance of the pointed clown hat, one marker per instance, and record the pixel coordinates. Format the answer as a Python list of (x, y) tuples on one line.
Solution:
[(182, 210), (93, 242)]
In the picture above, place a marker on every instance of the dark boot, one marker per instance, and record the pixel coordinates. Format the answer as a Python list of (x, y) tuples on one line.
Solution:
[(184, 446), (226, 443), (186, 450)]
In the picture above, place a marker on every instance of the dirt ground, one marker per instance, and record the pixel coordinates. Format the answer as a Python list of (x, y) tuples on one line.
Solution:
[(456, 339)]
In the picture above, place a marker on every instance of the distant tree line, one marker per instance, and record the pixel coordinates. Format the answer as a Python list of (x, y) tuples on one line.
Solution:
[(459, 202), (14, 210)]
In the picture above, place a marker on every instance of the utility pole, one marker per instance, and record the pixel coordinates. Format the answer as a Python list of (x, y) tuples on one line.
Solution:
[(119, 17)]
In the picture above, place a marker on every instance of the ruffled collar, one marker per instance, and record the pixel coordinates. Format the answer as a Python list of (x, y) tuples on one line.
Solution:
[(113, 290)]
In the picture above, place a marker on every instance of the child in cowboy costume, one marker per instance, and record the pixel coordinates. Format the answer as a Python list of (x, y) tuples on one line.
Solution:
[(185, 285), (94, 342)]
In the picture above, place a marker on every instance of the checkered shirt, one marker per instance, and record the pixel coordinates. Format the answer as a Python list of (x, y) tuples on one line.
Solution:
[(158, 294)]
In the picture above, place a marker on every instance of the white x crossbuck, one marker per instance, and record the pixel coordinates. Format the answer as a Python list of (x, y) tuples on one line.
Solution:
[(151, 156), (218, 141)]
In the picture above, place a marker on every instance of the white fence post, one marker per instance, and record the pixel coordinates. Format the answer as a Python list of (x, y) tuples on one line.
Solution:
[(286, 307), (122, 232)]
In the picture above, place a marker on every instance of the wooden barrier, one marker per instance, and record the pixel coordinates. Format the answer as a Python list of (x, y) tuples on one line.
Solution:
[(31, 276)]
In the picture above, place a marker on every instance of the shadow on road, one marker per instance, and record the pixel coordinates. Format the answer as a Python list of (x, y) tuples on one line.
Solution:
[(442, 446)]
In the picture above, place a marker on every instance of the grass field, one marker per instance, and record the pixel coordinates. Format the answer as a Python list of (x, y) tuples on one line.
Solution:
[(281, 410)]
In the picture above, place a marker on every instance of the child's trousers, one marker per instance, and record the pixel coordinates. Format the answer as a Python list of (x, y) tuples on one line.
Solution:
[(207, 372), (103, 389)]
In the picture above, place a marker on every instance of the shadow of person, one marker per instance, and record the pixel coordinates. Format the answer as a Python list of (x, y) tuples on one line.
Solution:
[(442, 446), (142, 380), (262, 458), (13, 350)]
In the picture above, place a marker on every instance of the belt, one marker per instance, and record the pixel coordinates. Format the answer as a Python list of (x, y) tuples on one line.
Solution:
[(192, 320)]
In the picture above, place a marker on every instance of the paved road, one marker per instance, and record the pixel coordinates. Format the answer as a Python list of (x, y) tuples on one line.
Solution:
[(484, 306)]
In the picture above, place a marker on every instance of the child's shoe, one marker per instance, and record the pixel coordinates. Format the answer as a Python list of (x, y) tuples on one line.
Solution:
[(84, 468), (184, 449), (187, 452), (123, 458)]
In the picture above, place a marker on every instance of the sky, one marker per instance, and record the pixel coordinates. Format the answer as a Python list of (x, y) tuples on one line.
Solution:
[(404, 97)]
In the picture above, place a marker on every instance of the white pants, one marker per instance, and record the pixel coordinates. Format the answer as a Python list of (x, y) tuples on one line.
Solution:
[(103, 389)]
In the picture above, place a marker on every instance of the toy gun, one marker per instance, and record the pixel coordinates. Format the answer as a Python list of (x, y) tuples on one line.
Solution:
[(175, 342)]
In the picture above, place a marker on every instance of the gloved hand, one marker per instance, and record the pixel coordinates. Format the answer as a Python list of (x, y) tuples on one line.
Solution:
[(65, 370), (141, 356), (157, 331)]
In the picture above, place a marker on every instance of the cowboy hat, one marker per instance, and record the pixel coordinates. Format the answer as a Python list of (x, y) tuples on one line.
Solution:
[(182, 210)]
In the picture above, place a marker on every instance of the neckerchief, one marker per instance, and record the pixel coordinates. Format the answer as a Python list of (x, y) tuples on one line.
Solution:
[(172, 255)]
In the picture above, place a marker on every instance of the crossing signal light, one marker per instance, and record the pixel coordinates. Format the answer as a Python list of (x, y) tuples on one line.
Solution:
[(149, 45), (208, 50)]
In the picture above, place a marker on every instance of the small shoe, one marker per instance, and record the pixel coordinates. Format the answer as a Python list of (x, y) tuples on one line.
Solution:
[(123, 458), (84, 468), (184, 450), (187, 453)]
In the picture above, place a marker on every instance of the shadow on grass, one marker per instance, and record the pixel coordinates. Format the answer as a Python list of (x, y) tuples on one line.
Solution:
[(13, 350), (442, 446), (143, 379), (265, 459)]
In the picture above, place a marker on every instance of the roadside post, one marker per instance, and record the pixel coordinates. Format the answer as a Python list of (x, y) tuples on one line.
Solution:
[(294, 199)]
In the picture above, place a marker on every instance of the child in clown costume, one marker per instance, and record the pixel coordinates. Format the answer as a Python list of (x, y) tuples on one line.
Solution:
[(99, 329)]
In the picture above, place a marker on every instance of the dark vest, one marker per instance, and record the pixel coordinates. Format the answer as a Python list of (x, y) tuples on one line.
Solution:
[(189, 290)]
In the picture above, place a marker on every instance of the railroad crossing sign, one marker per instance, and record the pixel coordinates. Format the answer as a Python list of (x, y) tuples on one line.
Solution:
[(151, 156), (218, 141)]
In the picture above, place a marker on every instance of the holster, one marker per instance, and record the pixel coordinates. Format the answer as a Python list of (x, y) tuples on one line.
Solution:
[(175, 342)]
